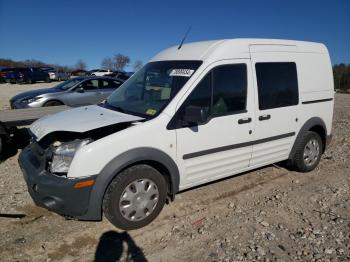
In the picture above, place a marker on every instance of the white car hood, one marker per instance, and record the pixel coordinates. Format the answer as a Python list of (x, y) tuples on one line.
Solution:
[(80, 120)]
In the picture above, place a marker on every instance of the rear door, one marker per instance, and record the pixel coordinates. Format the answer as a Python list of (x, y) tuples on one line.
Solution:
[(276, 82), (217, 148)]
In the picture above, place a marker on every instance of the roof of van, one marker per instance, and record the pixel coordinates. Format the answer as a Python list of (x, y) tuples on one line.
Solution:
[(236, 48)]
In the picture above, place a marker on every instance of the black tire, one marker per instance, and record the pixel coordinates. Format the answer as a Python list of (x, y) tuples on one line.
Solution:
[(111, 200), (298, 162), (30, 81), (53, 103), (1, 144), (47, 80)]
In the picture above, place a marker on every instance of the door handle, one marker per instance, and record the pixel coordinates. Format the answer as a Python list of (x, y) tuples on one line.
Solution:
[(264, 117), (244, 120)]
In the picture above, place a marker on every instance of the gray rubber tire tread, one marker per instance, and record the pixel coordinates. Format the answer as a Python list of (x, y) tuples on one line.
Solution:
[(298, 163)]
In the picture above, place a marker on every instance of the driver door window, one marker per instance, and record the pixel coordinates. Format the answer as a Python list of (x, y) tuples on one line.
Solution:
[(223, 91)]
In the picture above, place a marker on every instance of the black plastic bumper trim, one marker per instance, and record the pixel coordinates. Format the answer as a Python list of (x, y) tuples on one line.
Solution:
[(54, 192)]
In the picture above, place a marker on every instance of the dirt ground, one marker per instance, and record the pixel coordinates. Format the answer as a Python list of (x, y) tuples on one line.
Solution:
[(270, 214)]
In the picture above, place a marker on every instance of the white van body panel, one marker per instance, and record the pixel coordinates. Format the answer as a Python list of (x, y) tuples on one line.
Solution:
[(314, 81)]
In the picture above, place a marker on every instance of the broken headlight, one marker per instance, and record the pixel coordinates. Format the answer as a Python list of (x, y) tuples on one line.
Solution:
[(63, 155)]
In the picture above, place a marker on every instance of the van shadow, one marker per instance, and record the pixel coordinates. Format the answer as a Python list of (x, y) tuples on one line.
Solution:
[(19, 141), (111, 247)]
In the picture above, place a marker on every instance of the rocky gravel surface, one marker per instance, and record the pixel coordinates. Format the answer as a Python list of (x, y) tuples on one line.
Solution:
[(270, 214)]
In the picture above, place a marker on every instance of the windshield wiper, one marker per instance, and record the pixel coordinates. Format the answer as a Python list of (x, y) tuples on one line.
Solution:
[(112, 107)]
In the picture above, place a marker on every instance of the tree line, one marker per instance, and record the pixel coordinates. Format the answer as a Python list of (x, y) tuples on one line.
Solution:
[(341, 72), (116, 63)]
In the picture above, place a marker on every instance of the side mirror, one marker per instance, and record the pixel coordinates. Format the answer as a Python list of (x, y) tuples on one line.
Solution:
[(195, 115), (80, 90)]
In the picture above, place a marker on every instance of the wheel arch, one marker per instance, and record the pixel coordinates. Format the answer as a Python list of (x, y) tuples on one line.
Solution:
[(314, 124), (53, 100), (150, 156)]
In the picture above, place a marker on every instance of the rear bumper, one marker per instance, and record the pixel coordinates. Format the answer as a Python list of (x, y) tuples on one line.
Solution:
[(53, 192)]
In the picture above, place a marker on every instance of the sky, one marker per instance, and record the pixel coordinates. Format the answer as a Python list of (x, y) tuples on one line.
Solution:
[(63, 31)]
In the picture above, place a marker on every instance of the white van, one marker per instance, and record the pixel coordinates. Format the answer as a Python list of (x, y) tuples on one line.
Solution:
[(193, 114)]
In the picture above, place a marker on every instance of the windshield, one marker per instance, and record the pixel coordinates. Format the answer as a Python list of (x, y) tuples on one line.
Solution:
[(68, 84), (149, 90)]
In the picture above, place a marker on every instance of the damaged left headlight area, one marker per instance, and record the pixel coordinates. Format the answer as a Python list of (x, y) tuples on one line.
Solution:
[(63, 154)]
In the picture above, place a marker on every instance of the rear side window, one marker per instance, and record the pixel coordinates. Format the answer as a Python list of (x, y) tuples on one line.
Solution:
[(277, 84), (110, 84)]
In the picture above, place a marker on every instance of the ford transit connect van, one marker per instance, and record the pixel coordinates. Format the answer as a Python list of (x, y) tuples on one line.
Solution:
[(193, 114)]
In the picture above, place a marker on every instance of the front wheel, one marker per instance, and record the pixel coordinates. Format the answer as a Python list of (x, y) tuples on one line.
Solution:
[(308, 152), (135, 197)]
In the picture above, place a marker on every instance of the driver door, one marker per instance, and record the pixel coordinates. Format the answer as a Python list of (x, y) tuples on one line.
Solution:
[(219, 147), (86, 93)]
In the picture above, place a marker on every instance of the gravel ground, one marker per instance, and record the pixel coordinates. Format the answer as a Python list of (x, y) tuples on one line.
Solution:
[(270, 214)]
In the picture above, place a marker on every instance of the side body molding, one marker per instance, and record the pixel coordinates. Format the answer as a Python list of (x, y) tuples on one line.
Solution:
[(118, 164), (314, 121)]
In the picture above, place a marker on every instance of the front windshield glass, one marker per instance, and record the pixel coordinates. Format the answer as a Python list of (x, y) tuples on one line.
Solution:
[(150, 89), (68, 84)]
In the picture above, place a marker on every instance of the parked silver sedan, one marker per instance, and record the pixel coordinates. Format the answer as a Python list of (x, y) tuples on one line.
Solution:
[(74, 92)]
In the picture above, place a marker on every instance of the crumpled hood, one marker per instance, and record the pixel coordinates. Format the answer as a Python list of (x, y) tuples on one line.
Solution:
[(81, 119)]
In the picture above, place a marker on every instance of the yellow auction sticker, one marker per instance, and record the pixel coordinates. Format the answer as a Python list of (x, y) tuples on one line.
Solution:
[(151, 111)]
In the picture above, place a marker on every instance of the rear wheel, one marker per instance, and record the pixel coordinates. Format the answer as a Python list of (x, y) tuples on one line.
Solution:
[(308, 152), (30, 81), (53, 103), (135, 197), (47, 80)]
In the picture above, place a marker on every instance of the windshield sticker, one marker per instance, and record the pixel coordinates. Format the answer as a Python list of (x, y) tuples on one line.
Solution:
[(181, 72), (151, 111)]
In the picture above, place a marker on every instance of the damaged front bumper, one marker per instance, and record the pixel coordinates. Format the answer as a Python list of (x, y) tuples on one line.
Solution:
[(56, 193)]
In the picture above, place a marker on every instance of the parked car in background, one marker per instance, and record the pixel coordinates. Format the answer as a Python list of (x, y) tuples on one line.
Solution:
[(3, 73), (101, 72), (90, 72), (78, 72), (26, 75), (121, 74), (56, 75), (77, 91)]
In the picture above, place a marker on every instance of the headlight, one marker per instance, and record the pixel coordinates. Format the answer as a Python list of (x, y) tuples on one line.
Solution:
[(63, 155), (31, 100)]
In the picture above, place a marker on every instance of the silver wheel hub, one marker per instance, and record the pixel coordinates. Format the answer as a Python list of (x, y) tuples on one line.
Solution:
[(139, 199), (311, 152)]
